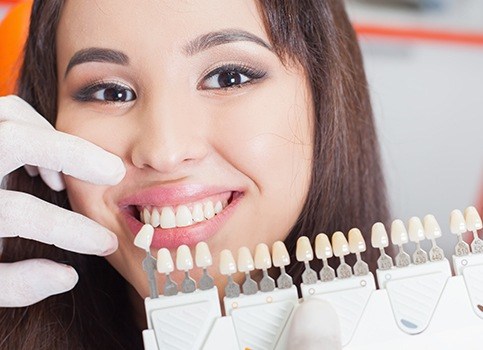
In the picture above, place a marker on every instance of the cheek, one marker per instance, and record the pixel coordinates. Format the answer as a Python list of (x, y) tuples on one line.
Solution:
[(85, 198)]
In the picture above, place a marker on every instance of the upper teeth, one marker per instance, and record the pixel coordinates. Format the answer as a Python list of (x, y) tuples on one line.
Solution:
[(182, 215)]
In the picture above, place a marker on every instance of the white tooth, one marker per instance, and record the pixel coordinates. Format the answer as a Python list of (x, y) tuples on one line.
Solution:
[(473, 219), (356, 241), (263, 260), (399, 235), (155, 218), (218, 207), (224, 202), (379, 238), (146, 216), (202, 255), (183, 216), (141, 215), (457, 222), (144, 237), (280, 255), (165, 261), (198, 215), (431, 227), (416, 230), (184, 260), (245, 260), (167, 218), (227, 263), (304, 250), (208, 210), (340, 246), (323, 249)]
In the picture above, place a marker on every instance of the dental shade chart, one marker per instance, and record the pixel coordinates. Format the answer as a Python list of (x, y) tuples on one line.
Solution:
[(418, 304)]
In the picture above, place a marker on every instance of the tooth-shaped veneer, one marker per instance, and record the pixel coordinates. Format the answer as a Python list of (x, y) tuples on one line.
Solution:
[(399, 236), (167, 218), (416, 230), (340, 246), (143, 240), (457, 222), (228, 268), (357, 245), (280, 255), (245, 260), (379, 239), (144, 237), (281, 258), (323, 251), (473, 219), (263, 261), (203, 257), (473, 223), (204, 260), (305, 254), (323, 248), (356, 241), (184, 262), (416, 234), (165, 263), (433, 231), (245, 265), (304, 250), (165, 266), (457, 225)]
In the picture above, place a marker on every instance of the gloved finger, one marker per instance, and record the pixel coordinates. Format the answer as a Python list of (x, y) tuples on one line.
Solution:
[(52, 225), (53, 179), (27, 282), (31, 170), (315, 326), (13, 108), (25, 144)]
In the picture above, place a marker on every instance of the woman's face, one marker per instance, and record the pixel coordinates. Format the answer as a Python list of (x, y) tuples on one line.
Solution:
[(204, 115)]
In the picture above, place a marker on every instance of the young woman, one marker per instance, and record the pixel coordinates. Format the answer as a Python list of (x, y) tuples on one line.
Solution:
[(260, 106)]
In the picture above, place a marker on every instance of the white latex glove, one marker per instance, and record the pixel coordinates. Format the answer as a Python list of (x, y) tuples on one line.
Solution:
[(315, 326), (27, 138)]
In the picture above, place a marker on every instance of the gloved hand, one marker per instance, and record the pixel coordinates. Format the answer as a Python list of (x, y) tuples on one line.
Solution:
[(315, 326), (27, 138)]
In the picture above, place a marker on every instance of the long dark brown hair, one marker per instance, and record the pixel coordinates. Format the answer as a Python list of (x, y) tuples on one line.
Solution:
[(347, 188)]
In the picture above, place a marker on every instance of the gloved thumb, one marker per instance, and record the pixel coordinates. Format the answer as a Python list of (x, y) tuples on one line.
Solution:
[(315, 326)]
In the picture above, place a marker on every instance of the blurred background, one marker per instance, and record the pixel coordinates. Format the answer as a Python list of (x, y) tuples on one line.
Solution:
[(424, 62)]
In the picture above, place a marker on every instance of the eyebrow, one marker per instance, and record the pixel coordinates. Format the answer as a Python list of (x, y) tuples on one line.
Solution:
[(209, 40), (95, 54)]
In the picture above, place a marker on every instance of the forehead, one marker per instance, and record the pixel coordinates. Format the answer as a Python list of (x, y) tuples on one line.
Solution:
[(151, 24)]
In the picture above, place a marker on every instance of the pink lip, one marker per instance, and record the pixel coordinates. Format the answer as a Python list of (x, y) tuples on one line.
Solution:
[(163, 196)]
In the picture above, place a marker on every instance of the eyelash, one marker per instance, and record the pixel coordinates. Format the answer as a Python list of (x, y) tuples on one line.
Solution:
[(86, 94), (252, 74)]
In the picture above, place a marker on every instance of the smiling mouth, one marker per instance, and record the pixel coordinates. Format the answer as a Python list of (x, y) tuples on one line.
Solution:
[(185, 214)]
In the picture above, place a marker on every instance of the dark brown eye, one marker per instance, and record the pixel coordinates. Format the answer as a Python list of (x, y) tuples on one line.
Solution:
[(114, 94), (230, 76)]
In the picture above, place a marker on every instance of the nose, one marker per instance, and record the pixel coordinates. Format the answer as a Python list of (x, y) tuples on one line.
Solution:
[(169, 138)]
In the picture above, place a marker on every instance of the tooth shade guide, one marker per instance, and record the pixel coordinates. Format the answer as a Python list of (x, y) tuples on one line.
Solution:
[(227, 268), (245, 265), (304, 253), (263, 262), (399, 236), (473, 224), (433, 231), (144, 237), (280, 259), (323, 251), (458, 227), (357, 245), (203, 259)]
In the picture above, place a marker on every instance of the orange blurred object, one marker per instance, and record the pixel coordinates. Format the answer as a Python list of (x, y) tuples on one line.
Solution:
[(13, 31)]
